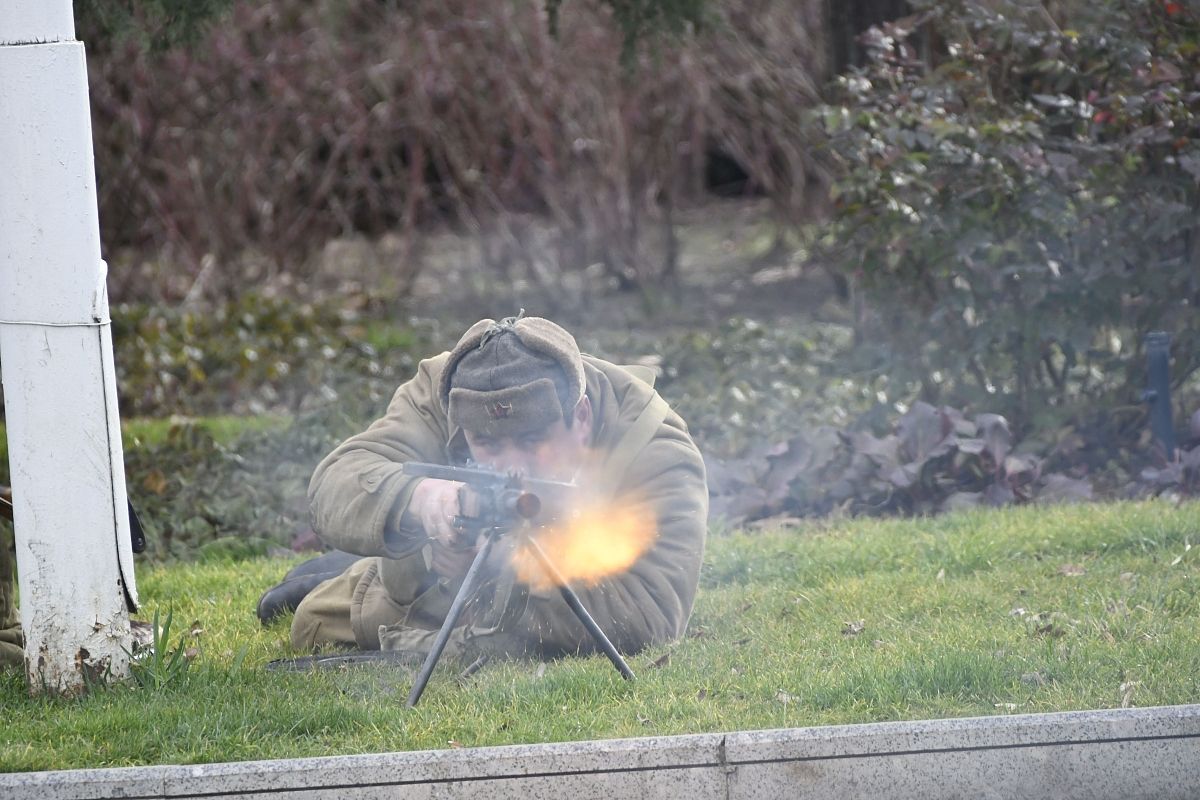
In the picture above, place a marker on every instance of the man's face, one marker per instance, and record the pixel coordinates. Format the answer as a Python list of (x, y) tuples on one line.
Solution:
[(551, 453)]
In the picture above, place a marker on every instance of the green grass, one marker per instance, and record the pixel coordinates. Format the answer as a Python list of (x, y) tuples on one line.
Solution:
[(962, 615), (224, 428)]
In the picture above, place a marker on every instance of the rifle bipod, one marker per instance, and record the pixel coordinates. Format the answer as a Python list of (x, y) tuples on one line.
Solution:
[(468, 586)]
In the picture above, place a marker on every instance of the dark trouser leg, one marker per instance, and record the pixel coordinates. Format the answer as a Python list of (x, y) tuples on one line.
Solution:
[(301, 580)]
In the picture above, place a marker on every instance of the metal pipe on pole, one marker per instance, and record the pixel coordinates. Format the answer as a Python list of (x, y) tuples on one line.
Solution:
[(74, 559)]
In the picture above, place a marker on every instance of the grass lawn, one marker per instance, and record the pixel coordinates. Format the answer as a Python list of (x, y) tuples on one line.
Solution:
[(987, 612)]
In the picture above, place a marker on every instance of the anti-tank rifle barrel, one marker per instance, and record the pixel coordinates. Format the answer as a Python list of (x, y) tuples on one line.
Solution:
[(511, 493), (469, 475), (488, 479)]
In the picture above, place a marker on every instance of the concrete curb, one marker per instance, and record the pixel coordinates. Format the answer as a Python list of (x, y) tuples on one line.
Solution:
[(1127, 753)]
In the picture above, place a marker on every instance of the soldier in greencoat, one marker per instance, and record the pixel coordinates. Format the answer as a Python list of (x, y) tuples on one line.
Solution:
[(11, 654), (515, 395)]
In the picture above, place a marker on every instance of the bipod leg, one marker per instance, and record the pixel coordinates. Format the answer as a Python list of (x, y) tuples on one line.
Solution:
[(568, 594), (456, 609), (473, 667)]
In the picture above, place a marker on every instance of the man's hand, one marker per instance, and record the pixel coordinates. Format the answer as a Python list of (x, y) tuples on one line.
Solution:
[(436, 503)]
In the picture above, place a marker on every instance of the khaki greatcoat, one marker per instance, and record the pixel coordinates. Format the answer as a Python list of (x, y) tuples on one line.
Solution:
[(391, 600)]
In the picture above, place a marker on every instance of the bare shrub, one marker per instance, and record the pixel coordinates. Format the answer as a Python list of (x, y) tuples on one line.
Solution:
[(292, 123)]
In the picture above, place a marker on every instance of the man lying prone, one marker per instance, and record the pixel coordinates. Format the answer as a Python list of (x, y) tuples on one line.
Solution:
[(518, 397)]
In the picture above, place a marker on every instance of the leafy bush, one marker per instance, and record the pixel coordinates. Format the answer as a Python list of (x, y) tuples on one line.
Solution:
[(255, 354), (789, 429), (192, 491), (1181, 476), (312, 366), (745, 382), (159, 24), (326, 371), (937, 460), (1025, 200), (322, 370)]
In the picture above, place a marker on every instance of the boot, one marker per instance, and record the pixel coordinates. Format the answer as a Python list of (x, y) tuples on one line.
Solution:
[(335, 561), (301, 580)]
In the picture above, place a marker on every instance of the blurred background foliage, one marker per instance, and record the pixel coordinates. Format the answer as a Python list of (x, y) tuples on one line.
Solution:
[(886, 256), (1025, 178), (291, 123)]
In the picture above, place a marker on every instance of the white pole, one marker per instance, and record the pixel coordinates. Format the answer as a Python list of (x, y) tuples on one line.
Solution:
[(74, 561)]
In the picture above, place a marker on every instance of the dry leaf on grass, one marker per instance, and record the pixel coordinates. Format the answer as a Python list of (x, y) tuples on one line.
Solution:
[(155, 482), (1049, 629), (143, 634), (1034, 679), (1126, 689), (854, 627), (1053, 624)]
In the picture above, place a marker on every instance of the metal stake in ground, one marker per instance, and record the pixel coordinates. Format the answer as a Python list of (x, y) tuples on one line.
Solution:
[(1158, 392)]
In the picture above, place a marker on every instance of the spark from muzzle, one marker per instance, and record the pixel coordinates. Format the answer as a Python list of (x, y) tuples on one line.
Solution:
[(593, 544)]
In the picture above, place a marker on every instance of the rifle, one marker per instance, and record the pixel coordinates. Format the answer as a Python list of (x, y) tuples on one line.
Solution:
[(507, 502)]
